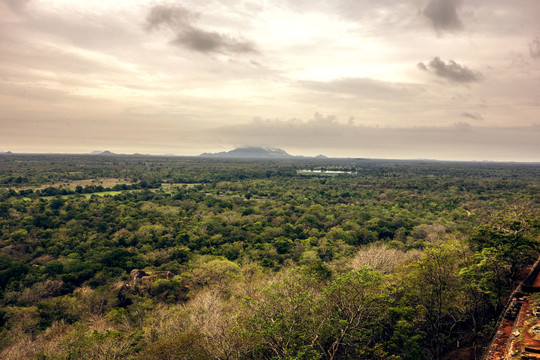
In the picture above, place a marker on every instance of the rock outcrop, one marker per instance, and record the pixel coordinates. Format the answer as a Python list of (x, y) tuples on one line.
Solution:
[(139, 281)]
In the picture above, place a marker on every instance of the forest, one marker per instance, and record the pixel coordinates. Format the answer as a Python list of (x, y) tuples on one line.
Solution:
[(154, 257)]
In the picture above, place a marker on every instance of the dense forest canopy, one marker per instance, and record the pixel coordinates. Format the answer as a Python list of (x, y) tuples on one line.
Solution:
[(377, 259)]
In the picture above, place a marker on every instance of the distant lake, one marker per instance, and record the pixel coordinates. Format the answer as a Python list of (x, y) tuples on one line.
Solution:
[(324, 172)]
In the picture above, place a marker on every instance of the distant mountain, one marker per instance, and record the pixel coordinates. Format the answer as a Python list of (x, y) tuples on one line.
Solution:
[(251, 153), (106, 152)]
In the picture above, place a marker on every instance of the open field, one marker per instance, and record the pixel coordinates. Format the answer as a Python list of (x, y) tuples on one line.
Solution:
[(72, 184)]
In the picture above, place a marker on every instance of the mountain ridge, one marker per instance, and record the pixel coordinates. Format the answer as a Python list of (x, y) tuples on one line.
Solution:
[(252, 152)]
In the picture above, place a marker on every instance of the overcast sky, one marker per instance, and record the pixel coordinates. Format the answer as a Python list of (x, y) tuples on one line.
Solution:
[(439, 79)]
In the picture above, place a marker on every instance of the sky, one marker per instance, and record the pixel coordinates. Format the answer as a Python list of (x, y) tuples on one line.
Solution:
[(399, 79)]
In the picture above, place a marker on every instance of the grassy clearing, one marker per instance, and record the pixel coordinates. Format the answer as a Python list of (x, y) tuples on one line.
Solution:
[(106, 193), (71, 185), (167, 188)]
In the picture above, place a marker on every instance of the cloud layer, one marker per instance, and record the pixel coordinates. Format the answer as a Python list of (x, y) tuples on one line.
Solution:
[(474, 116), (365, 88), (327, 134)]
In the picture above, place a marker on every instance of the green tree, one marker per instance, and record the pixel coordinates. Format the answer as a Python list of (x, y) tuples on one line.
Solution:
[(434, 285), (285, 321), (353, 305), (509, 236)]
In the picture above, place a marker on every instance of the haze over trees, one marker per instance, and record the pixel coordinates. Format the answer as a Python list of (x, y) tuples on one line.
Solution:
[(376, 260)]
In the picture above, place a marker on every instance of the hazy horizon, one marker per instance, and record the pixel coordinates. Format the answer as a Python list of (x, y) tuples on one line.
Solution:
[(293, 155), (387, 79)]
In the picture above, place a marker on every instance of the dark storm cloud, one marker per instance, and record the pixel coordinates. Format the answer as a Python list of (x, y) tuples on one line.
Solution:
[(189, 36), (443, 14), (534, 48), (451, 71), (474, 116)]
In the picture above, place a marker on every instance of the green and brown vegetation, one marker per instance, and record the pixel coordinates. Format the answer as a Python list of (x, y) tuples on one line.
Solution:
[(395, 260)]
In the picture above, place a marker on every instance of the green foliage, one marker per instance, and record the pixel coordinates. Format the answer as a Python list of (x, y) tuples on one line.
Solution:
[(434, 285), (353, 305), (406, 339), (508, 239), (11, 270), (284, 323), (72, 229), (56, 309), (215, 272)]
